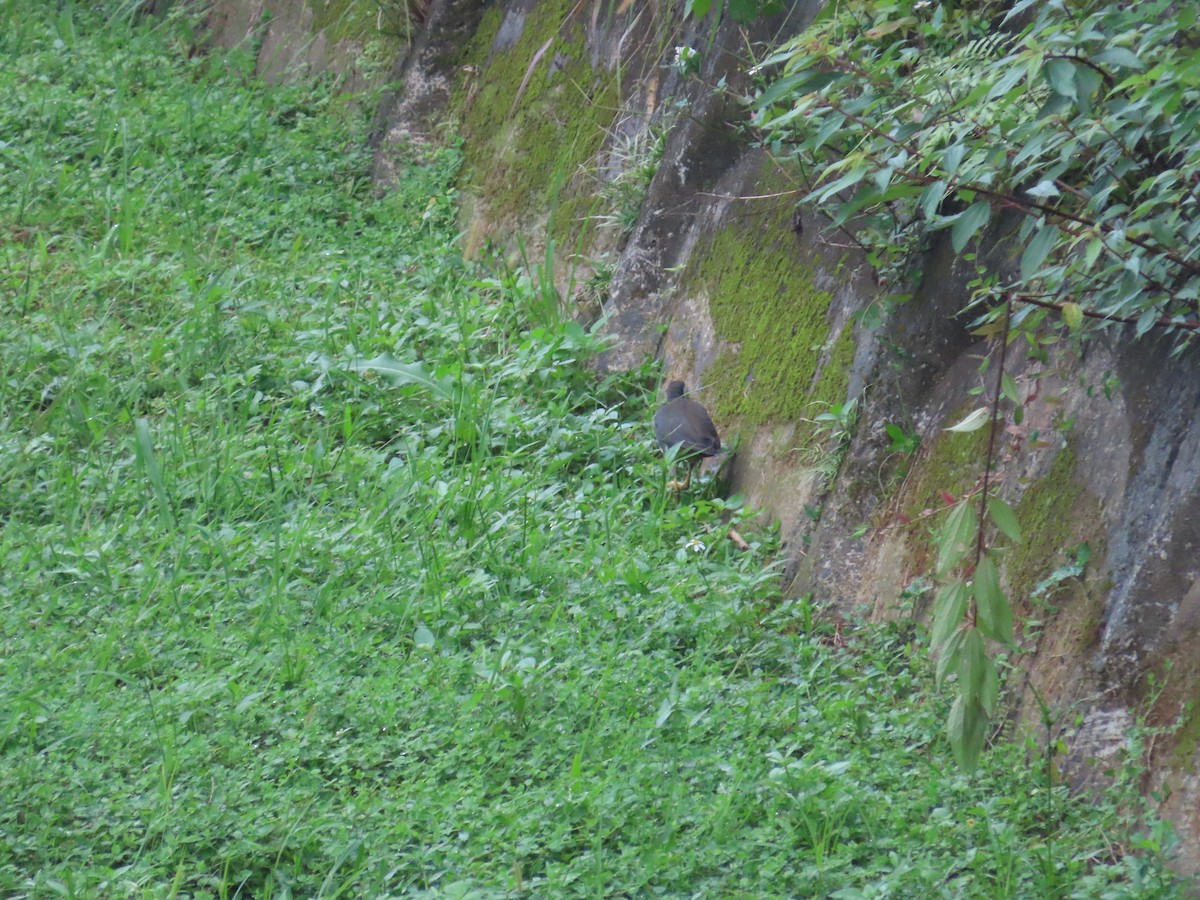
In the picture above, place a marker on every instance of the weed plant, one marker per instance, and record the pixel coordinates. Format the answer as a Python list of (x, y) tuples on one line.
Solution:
[(275, 623)]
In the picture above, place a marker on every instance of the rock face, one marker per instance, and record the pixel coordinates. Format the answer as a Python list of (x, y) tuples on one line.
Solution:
[(642, 197)]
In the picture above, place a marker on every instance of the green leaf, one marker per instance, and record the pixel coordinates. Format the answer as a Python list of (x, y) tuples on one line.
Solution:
[(1017, 8), (1037, 251), (1072, 314), (972, 664), (697, 8), (949, 607), (989, 690), (955, 537), (796, 86), (403, 373), (931, 198), (973, 421), (144, 451), (952, 158), (1004, 518), (995, 614), (1006, 83), (888, 27), (1118, 56), (966, 728), (743, 11), (949, 655), (1060, 73), (780, 88), (1009, 390), (969, 221), (1087, 82), (852, 177)]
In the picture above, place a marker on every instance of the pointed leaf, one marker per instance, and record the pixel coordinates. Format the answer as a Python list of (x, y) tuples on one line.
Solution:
[(972, 665), (1004, 519), (995, 615), (966, 729), (931, 198), (950, 655), (968, 222), (1060, 73), (1072, 314), (989, 690), (955, 537), (973, 421), (949, 607), (403, 373), (1037, 251), (1009, 390), (1118, 56), (952, 158)]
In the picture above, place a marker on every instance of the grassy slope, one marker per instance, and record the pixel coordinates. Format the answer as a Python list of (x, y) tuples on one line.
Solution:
[(270, 625)]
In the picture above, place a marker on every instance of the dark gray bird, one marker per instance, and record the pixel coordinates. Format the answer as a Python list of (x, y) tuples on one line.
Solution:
[(683, 422)]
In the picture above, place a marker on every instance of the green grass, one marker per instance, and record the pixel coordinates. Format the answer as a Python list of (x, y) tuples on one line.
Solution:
[(272, 625)]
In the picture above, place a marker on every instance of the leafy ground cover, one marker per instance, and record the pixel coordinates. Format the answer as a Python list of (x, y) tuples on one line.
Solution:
[(276, 621)]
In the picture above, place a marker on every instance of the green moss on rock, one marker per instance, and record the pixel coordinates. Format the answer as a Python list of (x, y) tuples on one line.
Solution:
[(361, 20), (765, 304), (533, 114), (1054, 517)]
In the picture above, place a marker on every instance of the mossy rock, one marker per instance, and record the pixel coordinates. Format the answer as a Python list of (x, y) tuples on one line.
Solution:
[(534, 112), (781, 361)]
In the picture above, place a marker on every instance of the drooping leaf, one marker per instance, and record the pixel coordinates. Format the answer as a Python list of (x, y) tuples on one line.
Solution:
[(1004, 518), (931, 198), (966, 728), (968, 222), (955, 537), (995, 614), (972, 664), (1037, 250), (989, 689), (949, 606), (1118, 56), (952, 158), (888, 27), (950, 655), (1009, 390), (1060, 73)]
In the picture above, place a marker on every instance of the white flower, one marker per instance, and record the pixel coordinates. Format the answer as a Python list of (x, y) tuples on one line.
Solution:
[(687, 59)]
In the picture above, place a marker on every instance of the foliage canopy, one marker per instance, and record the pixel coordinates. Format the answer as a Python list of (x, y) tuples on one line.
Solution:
[(1074, 123)]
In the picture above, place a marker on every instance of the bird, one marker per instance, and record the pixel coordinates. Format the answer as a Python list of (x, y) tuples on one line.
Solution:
[(682, 422)]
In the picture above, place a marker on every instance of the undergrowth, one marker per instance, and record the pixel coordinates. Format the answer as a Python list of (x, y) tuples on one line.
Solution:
[(274, 624)]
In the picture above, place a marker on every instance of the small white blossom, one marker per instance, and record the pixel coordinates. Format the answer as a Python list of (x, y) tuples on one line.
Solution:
[(687, 60)]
